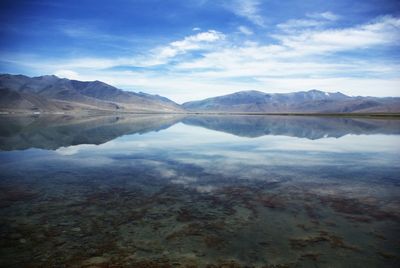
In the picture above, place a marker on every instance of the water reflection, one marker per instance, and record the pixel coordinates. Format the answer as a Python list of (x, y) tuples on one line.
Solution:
[(192, 196), (55, 131), (295, 126)]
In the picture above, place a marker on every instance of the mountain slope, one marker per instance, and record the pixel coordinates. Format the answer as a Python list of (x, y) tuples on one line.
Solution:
[(313, 101), (51, 94)]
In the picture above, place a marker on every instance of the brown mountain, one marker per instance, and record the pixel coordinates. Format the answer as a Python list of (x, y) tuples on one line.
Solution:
[(313, 101), (53, 94)]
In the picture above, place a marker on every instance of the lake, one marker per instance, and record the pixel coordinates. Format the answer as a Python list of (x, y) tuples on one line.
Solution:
[(199, 191)]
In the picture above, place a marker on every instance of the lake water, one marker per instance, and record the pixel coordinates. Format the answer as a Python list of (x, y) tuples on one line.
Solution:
[(192, 191)]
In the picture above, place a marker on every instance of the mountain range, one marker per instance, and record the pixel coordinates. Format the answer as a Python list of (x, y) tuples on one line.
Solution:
[(51, 94), (312, 101)]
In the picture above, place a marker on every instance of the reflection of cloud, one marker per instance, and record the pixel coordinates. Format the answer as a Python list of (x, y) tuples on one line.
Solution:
[(200, 158), (205, 188), (225, 153), (196, 159), (74, 149), (92, 161), (349, 143), (185, 180), (165, 172), (71, 150)]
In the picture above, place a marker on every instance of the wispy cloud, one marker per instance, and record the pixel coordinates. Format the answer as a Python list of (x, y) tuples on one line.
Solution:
[(324, 15), (84, 30), (193, 42), (67, 74), (245, 30), (202, 41), (212, 63), (314, 20), (305, 43), (383, 31), (249, 9), (291, 25), (199, 41)]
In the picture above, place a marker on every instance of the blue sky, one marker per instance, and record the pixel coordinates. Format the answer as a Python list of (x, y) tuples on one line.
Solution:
[(188, 49)]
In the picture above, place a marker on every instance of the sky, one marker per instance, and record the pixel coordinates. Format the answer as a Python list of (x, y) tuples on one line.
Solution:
[(188, 50)]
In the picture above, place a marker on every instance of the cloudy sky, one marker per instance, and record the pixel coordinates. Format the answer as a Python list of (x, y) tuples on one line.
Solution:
[(191, 49)]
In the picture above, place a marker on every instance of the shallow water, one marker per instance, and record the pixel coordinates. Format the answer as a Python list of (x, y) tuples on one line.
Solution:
[(192, 191)]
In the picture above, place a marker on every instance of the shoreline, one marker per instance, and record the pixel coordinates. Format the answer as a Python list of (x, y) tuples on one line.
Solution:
[(109, 113)]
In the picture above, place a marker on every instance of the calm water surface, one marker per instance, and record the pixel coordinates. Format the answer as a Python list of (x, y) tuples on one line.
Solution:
[(199, 191)]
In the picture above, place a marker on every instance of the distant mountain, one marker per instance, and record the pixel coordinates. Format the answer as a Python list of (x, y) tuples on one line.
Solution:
[(313, 101), (50, 93)]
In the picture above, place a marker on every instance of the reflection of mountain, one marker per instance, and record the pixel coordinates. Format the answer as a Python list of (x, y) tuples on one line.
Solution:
[(52, 132), (296, 126)]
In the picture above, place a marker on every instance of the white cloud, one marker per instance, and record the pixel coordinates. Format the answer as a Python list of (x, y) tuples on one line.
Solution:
[(195, 29), (67, 74), (300, 24), (245, 30), (86, 63), (324, 15), (160, 55), (193, 42), (313, 20), (381, 32), (183, 87), (307, 58), (297, 51), (248, 9)]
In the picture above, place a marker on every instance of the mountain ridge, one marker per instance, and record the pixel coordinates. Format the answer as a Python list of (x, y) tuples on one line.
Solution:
[(51, 94), (312, 101)]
